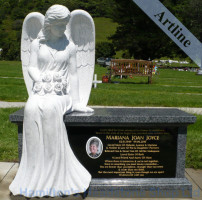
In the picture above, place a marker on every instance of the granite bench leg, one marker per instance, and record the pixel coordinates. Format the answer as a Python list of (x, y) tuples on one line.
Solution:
[(20, 138)]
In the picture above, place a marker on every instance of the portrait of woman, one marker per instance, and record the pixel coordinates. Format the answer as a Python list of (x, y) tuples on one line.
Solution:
[(94, 147), (48, 162)]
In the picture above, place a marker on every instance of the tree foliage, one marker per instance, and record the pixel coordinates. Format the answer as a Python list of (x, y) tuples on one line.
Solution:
[(140, 36), (13, 12), (191, 12), (137, 36), (105, 49)]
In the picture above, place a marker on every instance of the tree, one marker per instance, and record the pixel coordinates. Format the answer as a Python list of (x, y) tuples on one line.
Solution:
[(192, 14), (139, 35), (12, 14), (104, 49)]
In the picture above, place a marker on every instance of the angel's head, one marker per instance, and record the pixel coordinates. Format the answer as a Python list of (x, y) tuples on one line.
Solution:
[(56, 19)]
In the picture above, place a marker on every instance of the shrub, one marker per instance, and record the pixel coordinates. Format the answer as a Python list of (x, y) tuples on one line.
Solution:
[(104, 49)]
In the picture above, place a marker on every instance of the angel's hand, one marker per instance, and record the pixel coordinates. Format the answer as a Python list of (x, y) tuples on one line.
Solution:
[(79, 108)]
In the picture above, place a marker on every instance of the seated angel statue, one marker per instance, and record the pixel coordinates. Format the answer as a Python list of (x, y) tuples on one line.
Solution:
[(57, 53)]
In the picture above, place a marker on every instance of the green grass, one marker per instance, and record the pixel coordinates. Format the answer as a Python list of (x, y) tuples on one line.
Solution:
[(104, 28), (9, 140), (12, 88), (10, 69), (194, 144), (170, 89), (8, 135), (181, 65)]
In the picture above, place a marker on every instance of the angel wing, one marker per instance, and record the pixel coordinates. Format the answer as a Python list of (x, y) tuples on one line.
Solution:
[(82, 33), (32, 25)]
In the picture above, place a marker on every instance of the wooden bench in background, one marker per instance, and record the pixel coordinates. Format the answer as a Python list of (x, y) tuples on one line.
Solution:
[(129, 67)]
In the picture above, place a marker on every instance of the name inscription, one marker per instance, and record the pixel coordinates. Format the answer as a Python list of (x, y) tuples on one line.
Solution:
[(128, 152), (131, 155)]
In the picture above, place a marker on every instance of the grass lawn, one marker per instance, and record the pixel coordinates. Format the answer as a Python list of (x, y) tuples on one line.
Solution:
[(104, 28), (9, 140), (180, 65), (194, 144), (10, 69), (13, 90), (169, 89), (8, 135)]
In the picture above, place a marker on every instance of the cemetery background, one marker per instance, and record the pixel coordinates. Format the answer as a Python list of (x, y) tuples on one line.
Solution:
[(169, 89)]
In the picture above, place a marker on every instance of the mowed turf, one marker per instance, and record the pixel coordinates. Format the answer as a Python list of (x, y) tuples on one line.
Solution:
[(10, 69), (194, 144), (169, 88), (104, 28), (8, 136)]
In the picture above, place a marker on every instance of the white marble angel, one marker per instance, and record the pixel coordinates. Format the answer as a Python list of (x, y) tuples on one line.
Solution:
[(57, 53)]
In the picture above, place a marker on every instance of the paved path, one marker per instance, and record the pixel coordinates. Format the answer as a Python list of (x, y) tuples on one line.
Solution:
[(8, 171), (4, 104), (11, 77)]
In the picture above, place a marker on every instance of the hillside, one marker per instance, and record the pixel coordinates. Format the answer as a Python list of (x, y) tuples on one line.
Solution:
[(104, 28)]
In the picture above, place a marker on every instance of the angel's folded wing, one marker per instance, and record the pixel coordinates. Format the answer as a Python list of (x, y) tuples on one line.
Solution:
[(82, 33), (31, 27)]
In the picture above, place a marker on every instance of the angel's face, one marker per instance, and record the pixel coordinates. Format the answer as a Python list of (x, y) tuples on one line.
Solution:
[(58, 28)]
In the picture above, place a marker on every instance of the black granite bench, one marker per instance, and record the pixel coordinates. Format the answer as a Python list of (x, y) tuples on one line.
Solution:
[(161, 172)]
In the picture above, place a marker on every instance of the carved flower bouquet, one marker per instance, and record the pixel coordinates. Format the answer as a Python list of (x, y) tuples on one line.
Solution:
[(52, 84)]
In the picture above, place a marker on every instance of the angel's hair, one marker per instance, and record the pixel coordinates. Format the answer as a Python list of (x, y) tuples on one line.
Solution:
[(54, 13)]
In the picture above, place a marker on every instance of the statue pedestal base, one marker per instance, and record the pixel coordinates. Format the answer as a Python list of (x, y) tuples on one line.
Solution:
[(140, 151)]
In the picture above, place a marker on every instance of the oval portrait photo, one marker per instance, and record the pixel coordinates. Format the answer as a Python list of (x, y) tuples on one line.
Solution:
[(94, 147)]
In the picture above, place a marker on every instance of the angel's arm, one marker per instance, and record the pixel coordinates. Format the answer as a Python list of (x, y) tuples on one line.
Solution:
[(74, 84), (33, 65)]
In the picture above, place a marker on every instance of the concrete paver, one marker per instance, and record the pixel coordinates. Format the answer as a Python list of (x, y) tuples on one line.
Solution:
[(4, 184), (136, 199), (11, 77), (196, 175), (4, 169), (197, 111), (191, 176), (4, 104)]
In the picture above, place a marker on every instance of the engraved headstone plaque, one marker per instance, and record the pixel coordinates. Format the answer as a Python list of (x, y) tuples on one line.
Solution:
[(124, 152)]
